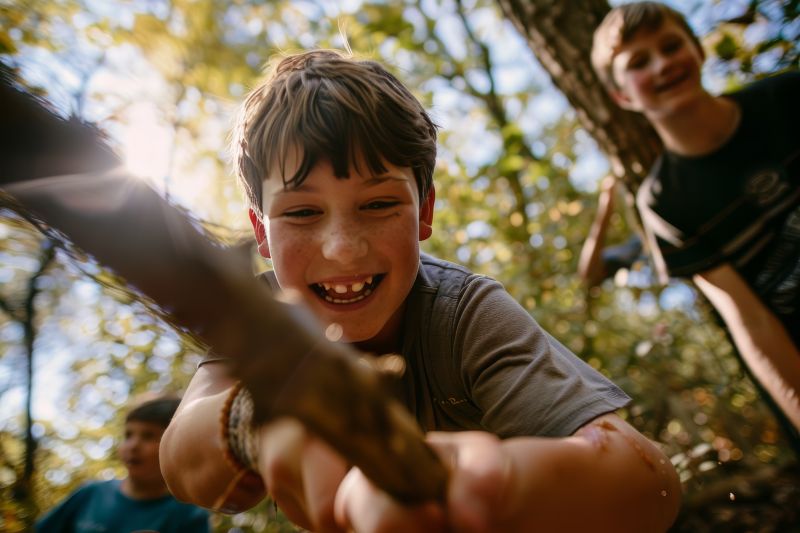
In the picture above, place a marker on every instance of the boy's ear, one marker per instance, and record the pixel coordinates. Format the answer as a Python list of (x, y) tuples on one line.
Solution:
[(621, 99), (261, 234), (426, 215)]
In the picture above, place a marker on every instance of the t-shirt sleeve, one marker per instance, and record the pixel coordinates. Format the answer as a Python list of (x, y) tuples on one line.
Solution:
[(211, 357), (522, 379)]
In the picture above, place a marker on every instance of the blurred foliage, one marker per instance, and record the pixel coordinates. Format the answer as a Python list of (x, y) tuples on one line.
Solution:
[(756, 38), (513, 201)]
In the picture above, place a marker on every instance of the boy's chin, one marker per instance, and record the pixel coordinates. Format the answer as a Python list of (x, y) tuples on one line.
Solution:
[(680, 99), (144, 477), (355, 336)]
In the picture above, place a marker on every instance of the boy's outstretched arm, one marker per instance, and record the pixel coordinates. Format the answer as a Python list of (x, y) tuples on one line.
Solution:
[(606, 477), (760, 337), (591, 267), (301, 472)]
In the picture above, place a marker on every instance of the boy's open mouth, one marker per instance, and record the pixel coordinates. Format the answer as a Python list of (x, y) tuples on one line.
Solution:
[(347, 293), (673, 82)]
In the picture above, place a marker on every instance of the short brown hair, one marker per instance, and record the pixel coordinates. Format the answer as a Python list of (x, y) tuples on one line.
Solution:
[(330, 106), (621, 24), (157, 411)]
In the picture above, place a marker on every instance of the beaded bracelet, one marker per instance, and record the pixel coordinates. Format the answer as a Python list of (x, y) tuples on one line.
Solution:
[(238, 436), (240, 447)]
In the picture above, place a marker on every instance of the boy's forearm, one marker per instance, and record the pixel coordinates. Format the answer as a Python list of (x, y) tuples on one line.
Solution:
[(760, 337), (590, 262), (775, 361), (192, 459), (607, 477)]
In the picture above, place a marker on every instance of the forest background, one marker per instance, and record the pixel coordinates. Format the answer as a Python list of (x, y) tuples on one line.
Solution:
[(516, 183)]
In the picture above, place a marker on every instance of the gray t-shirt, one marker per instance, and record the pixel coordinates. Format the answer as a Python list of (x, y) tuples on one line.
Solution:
[(476, 360)]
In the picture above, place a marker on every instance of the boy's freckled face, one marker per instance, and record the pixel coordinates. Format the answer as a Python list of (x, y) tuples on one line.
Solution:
[(350, 247), (658, 72)]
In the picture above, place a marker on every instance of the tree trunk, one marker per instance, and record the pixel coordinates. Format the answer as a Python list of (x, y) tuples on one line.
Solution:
[(560, 35), (47, 254)]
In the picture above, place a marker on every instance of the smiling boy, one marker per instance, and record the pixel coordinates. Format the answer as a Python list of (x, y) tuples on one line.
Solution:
[(722, 204), (336, 157), (141, 500), (350, 248)]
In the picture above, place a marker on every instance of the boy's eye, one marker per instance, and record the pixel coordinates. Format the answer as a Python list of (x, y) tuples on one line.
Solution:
[(380, 204), (671, 46), (637, 62), (301, 213)]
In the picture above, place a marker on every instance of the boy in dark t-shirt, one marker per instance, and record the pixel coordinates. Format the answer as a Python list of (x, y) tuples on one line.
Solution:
[(141, 501), (337, 157), (722, 204)]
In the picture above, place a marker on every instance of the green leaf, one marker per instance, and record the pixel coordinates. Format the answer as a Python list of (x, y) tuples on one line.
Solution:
[(726, 48)]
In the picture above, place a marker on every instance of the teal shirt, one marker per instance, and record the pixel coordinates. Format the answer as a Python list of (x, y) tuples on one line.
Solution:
[(101, 507)]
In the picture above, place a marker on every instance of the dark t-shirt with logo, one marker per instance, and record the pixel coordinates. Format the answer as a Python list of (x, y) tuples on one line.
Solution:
[(739, 204)]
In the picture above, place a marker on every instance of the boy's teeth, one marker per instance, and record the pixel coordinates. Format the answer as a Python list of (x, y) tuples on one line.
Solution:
[(344, 288)]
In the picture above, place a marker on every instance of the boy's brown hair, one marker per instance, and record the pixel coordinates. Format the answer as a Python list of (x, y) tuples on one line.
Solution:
[(157, 411), (323, 104), (621, 24)]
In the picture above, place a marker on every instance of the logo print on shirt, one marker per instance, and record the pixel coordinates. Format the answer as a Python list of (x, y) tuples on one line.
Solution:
[(765, 187)]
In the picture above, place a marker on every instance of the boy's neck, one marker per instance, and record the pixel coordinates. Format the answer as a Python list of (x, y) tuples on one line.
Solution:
[(389, 339), (700, 128), (140, 490), (380, 345)]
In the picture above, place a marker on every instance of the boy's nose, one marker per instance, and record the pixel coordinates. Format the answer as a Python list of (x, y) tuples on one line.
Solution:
[(343, 244), (662, 63)]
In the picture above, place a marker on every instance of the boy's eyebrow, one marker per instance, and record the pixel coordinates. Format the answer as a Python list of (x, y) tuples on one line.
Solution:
[(371, 182), (383, 178), (304, 187)]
